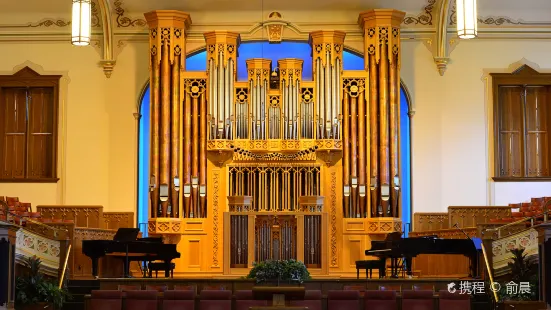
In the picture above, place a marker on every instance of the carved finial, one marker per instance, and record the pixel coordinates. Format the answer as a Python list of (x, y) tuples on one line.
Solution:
[(108, 66), (441, 64)]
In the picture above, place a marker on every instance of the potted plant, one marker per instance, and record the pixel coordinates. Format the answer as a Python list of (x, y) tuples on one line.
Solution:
[(33, 291), (521, 293), (277, 271)]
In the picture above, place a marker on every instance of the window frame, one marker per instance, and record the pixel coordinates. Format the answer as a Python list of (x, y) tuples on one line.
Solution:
[(28, 78), (523, 76)]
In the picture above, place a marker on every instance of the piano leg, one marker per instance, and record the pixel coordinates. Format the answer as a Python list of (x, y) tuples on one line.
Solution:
[(394, 267), (167, 268), (95, 267), (408, 262)]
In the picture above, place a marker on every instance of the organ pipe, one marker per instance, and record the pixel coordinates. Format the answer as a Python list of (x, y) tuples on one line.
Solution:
[(221, 59), (175, 134), (166, 40), (327, 50), (382, 58)]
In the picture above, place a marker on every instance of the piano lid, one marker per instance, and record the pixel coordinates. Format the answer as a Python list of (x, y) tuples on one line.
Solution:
[(126, 234)]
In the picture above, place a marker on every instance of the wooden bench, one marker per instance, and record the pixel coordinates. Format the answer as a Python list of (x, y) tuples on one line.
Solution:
[(369, 265), (160, 266)]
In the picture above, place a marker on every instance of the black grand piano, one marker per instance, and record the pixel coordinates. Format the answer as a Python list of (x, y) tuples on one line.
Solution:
[(397, 249), (127, 246)]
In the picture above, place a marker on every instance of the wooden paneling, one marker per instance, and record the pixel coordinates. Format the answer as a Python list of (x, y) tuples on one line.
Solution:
[(108, 266), (430, 221), (116, 220), (443, 266), (83, 216), (471, 216)]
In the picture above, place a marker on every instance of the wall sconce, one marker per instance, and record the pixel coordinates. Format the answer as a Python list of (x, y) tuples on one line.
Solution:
[(362, 190), (163, 192), (354, 182), (194, 182), (467, 19), (187, 190), (202, 190), (347, 190), (81, 22), (177, 184)]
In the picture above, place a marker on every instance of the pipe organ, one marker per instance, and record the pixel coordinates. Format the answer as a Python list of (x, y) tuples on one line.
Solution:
[(274, 166)]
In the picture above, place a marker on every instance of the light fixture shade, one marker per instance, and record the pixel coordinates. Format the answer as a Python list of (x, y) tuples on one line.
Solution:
[(82, 22), (467, 19)]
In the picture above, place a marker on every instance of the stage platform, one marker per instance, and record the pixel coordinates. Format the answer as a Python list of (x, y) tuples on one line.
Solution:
[(323, 284)]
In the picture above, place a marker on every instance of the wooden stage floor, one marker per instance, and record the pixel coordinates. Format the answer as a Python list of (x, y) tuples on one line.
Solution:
[(325, 284)]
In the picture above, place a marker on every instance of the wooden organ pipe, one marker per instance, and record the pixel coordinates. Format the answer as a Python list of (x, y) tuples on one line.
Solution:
[(165, 126), (363, 139), (167, 41), (384, 134), (203, 158), (346, 154), (154, 157), (188, 103), (175, 134), (221, 59), (195, 157), (382, 57), (361, 148), (374, 137), (354, 154), (394, 137), (327, 51)]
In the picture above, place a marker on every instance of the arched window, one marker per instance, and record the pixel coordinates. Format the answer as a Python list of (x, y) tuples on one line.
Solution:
[(247, 50)]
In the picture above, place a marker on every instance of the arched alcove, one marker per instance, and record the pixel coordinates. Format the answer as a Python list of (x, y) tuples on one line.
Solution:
[(259, 49)]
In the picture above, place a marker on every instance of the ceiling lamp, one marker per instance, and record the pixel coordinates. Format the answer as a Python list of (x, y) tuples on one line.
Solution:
[(82, 22), (467, 19)]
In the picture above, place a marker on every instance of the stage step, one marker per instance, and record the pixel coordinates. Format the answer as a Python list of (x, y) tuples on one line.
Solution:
[(77, 289)]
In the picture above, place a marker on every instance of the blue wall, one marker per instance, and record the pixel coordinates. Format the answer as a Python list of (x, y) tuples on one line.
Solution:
[(248, 50), (143, 164)]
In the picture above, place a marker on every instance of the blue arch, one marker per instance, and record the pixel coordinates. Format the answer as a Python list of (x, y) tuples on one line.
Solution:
[(247, 50)]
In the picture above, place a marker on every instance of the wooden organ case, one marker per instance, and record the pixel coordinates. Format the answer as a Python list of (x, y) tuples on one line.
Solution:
[(274, 167)]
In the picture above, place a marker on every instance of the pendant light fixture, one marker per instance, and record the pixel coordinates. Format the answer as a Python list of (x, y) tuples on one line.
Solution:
[(467, 19), (82, 22)]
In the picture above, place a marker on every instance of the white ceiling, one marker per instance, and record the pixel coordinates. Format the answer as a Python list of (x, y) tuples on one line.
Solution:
[(272, 5), (516, 10)]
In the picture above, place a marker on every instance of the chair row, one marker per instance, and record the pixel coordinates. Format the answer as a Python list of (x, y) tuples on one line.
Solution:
[(244, 300)]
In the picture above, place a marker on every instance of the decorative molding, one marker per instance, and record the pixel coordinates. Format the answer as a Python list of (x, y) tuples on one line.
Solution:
[(489, 21), (334, 259), (216, 190), (124, 21), (49, 22), (423, 19)]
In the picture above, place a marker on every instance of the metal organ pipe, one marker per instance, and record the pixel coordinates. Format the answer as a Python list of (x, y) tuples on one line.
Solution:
[(317, 98), (221, 95), (231, 101)]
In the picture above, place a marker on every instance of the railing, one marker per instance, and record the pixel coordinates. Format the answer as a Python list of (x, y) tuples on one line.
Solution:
[(545, 215)]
